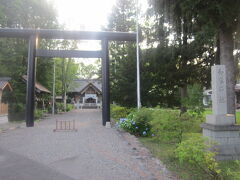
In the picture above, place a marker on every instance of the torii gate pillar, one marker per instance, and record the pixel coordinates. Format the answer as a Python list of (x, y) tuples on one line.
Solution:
[(105, 84), (30, 100)]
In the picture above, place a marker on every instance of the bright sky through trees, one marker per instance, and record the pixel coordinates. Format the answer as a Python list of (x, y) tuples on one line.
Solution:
[(83, 14), (86, 15), (89, 15)]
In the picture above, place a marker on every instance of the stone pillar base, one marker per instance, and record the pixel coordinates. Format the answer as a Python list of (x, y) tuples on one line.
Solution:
[(227, 139), (108, 125), (221, 120)]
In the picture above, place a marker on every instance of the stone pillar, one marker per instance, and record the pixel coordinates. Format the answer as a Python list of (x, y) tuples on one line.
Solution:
[(220, 127), (219, 98)]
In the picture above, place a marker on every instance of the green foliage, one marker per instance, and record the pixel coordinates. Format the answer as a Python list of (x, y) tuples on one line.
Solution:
[(118, 112), (194, 152), (60, 107), (190, 52), (169, 126), (219, 14), (18, 107), (88, 71), (230, 170), (38, 113), (127, 124), (191, 122), (194, 100), (142, 118), (69, 107), (160, 77), (16, 112), (13, 51), (66, 73), (191, 160), (123, 55), (137, 123), (199, 26)]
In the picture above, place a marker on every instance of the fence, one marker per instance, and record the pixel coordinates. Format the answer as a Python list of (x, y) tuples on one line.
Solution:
[(3, 109), (63, 125)]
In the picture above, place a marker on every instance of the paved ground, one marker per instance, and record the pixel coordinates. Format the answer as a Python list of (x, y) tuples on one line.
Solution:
[(92, 153)]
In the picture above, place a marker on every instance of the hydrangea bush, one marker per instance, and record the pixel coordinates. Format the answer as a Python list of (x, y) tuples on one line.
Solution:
[(136, 123)]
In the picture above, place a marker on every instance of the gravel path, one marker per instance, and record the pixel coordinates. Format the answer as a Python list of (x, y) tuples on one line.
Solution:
[(92, 153)]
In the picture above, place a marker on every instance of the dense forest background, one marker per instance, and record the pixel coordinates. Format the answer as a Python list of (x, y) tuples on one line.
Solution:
[(180, 41)]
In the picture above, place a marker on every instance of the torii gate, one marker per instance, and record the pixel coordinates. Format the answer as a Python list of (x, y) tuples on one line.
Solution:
[(33, 34)]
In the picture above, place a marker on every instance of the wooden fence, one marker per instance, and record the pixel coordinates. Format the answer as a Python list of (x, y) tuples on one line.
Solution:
[(65, 125), (3, 109)]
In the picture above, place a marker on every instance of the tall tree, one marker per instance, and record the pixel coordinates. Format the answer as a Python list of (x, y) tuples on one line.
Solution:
[(195, 46), (123, 54), (88, 71), (224, 16), (66, 71), (13, 52)]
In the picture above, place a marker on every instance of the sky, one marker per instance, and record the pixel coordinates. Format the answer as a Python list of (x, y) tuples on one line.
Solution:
[(88, 15), (85, 15)]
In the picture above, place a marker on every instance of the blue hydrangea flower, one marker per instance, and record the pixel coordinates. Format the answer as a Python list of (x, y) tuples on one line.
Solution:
[(133, 123), (136, 127), (146, 129), (123, 119), (144, 132), (153, 135)]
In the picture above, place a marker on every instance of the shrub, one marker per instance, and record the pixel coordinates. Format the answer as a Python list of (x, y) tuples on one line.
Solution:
[(169, 126), (230, 170), (118, 112), (16, 112), (194, 101), (17, 107), (126, 124), (60, 107), (38, 113), (166, 125), (193, 152), (137, 123), (69, 107), (142, 119), (191, 122)]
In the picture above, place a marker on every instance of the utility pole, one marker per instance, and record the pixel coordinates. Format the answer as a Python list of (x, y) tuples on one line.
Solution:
[(53, 94), (138, 66)]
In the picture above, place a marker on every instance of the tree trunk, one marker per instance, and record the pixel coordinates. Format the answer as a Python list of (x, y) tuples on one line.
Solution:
[(226, 58), (217, 58), (184, 59), (65, 84), (183, 93), (43, 104)]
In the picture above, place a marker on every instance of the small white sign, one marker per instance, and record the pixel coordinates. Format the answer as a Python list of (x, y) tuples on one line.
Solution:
[(94, 96)]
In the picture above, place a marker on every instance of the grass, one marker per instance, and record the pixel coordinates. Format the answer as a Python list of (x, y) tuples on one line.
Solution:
[(230, 170), (208, 111), (165, 152)]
